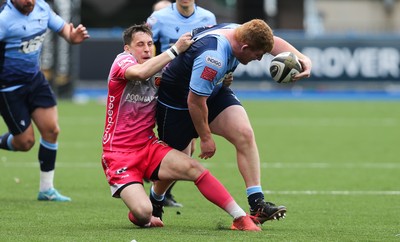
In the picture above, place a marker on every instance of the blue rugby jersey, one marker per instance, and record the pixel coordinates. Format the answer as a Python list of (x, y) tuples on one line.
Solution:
[(202, 68), (21, 39), (173, 24)]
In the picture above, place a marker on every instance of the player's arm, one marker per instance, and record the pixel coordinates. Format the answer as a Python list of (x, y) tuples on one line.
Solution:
[(281, 45), (74, 35), (152, 66), (208, 70), (199, 112)]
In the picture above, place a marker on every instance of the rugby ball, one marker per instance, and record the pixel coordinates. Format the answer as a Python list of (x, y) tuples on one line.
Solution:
[(284, 66)]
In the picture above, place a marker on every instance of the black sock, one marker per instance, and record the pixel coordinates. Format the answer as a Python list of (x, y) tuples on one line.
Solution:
[(47, 156), (252, 199), (3, 141)]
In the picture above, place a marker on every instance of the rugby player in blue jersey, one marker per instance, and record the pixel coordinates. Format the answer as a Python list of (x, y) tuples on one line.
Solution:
[(25, 94), (170, 22), (167, 26), (195, 102)]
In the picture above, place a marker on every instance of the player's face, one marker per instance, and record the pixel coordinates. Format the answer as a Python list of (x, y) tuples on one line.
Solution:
[(141, 47), (24, 6), (185, 3), (247, 55)]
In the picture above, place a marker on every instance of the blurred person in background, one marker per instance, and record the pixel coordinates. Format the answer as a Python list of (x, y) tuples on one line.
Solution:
[(167, 25), (25, 94), (131, 150), (158, 6), (161, 4), (194, 100)]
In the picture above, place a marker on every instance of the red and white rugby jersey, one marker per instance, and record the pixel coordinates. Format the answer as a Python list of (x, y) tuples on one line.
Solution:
[(130, 111)]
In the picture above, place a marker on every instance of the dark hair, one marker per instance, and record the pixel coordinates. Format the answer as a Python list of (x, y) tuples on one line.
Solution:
[(132, 30)]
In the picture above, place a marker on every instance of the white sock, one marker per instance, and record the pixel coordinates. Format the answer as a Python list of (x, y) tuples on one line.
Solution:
[(235, 210), (46, 180)]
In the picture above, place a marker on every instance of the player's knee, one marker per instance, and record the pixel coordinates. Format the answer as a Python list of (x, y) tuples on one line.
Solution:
[(55, 131), (139, 220), (24, 145), (246, 135), (195, 169), (142, 214), (51, 134)]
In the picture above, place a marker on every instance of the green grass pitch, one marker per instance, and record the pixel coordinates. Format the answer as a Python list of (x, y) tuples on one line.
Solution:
[(334, 164)]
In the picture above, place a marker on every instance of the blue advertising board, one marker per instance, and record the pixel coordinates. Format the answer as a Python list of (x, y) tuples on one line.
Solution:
[(366, 58), (339, 59)]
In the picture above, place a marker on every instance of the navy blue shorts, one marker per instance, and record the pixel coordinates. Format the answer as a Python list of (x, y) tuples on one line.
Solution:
[(175, 127), (17, 106)]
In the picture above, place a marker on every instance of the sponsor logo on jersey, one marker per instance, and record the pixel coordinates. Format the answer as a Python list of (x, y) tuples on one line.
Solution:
[(134, 98), (214, 61), (109, 119), (32, 45), (122, 170), (157, 81), (208, 74), (125, 62)]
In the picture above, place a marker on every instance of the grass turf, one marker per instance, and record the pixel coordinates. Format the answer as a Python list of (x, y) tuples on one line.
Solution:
[(335, 165)]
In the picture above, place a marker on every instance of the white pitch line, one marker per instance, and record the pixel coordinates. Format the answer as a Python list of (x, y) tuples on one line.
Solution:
[(64, 164), (273, 165), (314, 165), (334, 193), (328, 122), (322, 165)]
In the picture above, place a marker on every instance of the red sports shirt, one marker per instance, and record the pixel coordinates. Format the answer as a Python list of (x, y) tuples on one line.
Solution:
[(130, 113)]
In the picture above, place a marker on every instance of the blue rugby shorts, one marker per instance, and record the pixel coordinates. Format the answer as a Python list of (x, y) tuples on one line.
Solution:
[(16, 106), (175, 127)]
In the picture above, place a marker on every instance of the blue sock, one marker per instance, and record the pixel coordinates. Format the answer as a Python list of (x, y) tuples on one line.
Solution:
[(253, 189), (5, 141), (156, 197)]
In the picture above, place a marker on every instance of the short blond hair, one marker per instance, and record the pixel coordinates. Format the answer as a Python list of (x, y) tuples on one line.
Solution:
[(256, 34)]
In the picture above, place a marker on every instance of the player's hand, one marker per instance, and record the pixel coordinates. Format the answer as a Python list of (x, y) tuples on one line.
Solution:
[(184, 42), (207, 148), (228, 80), (306, 65), (78, 34)]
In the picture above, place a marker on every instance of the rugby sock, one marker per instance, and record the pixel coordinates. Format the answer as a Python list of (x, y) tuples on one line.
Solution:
[(216, 193), (254, 193), (155, 196), (46, 180), (235, 210), (47, 159), (5, 141)]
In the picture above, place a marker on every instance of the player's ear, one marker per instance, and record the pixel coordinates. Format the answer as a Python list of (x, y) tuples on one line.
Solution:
[(244, 47), (126, 48)]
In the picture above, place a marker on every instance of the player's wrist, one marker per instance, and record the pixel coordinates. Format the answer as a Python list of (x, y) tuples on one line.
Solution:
[(172, 52)]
